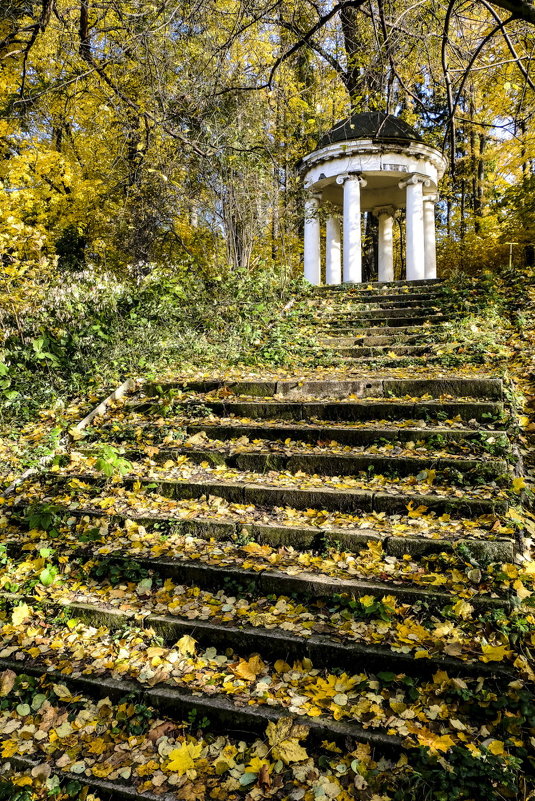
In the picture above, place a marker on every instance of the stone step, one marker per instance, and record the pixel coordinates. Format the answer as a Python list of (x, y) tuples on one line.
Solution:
[(383, 330), (483, 411), (220, 709), (377, 432), (372, 341), (474, 470), (345, 435), (275, 643), (383, 297), (380, 308), (100, 788), (356, 352), (269, 581), (343, 314), (373, 286), (377, 321), (487, 546), (478, 387), (390, 498), (415, 361)]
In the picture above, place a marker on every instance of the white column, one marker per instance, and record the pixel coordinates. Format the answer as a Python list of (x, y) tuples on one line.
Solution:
[(333, 257), (352, 227), (385, 249), (430, 247), (415, 227), (312, 257)]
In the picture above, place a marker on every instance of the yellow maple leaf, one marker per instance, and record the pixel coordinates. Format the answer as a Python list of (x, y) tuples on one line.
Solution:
[(434, 742), (20, 613), (496, 747), (521, 591), (257, 550), (281, 666), (256, 764), (290, 751), (473, 749), (494, 653), (462, 609), (511, 571), (284, 736), (9, 748), (518, 484), (105, 503), (155, 651), (367, 600), (98, 746), (326, 689), (22, 781), (183, 758), (186, 645), (419, 511), (249, 669)]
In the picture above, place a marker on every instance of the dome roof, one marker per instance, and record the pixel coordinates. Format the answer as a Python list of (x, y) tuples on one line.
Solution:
[(370, 125)]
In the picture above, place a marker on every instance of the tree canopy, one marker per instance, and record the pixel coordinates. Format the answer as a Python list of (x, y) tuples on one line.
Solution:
[(139, 133)]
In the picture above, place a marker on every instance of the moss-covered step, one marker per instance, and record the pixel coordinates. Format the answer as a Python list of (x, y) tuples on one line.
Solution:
[(482, 386), (391, 499)]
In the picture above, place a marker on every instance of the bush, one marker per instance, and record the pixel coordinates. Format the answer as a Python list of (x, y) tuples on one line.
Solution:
[(93, 331)]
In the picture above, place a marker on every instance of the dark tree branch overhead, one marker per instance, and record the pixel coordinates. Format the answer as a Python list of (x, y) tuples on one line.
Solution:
[(323, 20), (512, 49), (521, 9)]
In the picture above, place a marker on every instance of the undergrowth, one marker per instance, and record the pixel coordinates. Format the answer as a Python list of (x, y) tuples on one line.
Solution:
[(90, 334)]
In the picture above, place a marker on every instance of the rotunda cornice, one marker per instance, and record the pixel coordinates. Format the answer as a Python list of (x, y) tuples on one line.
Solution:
[(371, 147)]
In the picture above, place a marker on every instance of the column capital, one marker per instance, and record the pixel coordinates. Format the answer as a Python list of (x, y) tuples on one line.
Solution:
[(431, 198), (312, 205), (413, 179), (390, 211), (351, 176)]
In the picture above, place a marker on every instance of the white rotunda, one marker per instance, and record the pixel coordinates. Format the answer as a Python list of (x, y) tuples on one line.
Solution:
[(375, 162)]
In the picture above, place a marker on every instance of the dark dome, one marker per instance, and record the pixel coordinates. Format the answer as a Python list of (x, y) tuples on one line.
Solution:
[(371, 125)]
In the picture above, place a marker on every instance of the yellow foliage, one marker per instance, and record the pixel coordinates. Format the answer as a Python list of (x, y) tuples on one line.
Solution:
[(284, 738), (182, 759)]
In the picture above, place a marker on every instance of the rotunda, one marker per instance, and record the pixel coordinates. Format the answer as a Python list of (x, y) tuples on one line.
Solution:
[(375, 162)]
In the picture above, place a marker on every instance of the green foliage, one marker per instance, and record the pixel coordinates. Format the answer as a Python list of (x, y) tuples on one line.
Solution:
[(48, 575), (458, 777), (9, 792), (362, 608), (91, 330), (111, 463), (44, 517), (117, 571), (133, 718), (196, 721)]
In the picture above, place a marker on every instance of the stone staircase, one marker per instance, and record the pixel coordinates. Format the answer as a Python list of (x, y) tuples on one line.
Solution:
[(265, 517), (383, 322)]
